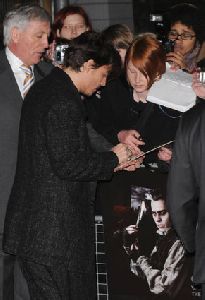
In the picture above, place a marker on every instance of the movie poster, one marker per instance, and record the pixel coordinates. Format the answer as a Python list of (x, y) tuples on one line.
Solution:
[(146, 259)]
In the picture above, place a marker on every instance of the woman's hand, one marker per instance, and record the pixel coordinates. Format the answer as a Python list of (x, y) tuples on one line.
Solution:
[(165, 154), (198, 87), (176, 60)]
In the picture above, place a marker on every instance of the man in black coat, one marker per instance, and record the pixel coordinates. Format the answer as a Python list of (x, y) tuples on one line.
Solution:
[(49, 223), (186, 188), (26, 31)]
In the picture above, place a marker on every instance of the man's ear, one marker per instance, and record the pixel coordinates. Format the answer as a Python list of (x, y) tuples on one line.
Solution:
[(15, 34), (87, 66)]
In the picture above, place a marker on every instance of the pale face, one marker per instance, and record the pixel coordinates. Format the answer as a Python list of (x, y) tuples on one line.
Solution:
[(29, 44), (94, 79), (137, 80), (183, 46), (160, 215), (73, 26)]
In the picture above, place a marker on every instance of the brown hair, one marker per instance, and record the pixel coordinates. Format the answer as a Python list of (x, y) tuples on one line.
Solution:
[(67, 11), (147, 54), (118, 35)]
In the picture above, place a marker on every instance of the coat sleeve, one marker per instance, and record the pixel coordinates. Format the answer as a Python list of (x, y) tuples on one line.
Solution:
[(182, 189), (68, 146)]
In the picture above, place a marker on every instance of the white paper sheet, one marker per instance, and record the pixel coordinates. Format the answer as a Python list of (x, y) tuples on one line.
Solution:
[(173, 90)]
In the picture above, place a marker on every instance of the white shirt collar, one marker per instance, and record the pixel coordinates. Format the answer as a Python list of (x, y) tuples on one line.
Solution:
[(14, 61), (15, 64)]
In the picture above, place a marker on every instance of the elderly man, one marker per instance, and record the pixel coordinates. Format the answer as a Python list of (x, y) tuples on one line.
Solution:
[(26, 30)]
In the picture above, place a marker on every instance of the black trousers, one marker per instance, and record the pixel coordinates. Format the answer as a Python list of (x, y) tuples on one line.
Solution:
[(56, 282)]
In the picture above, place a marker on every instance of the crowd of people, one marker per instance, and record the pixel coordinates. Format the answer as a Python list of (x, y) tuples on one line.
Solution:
[(66, 125)]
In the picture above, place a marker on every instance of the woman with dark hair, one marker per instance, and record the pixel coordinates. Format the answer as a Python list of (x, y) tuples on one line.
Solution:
[(70, 22), (186, 28)]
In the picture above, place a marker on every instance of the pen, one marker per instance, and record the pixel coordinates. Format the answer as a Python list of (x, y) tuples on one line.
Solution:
[(151, 150)]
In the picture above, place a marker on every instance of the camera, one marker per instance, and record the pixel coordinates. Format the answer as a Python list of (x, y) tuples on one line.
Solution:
[(60, 52), (168, 45), (156, 24)]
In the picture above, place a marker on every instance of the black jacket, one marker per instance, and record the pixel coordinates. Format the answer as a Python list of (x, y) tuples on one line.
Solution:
[(186, 188), (50, 212)]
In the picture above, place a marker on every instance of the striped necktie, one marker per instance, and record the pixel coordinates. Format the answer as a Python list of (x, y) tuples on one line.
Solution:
[(29, 79)]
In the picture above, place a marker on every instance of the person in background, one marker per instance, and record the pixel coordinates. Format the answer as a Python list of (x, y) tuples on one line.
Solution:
[(69, 22), (49, 224), (120, 37), (26, 31), (186, 28)]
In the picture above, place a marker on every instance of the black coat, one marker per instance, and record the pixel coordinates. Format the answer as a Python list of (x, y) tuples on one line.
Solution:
[(50, 212), (186, 186)]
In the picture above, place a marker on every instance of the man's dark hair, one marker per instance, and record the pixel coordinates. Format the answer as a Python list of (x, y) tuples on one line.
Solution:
[(158, 195), (88, 45)]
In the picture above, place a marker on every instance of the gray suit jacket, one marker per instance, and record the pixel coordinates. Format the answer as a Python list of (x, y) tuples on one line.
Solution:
[(10, 110), (186, 186)]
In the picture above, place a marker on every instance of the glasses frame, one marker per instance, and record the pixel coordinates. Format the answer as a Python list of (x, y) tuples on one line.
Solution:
[(180, 35)]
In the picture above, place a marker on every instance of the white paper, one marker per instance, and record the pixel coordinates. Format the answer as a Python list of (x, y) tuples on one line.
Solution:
[(173, 90)]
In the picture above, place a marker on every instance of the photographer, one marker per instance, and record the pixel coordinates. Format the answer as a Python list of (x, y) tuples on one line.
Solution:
[(186, 29), (69, 22)]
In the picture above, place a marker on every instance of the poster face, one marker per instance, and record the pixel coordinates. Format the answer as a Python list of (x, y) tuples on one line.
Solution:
[(146, 259)]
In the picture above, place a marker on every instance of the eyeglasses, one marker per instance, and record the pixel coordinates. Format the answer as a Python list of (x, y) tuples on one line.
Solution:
[(184, 35)]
